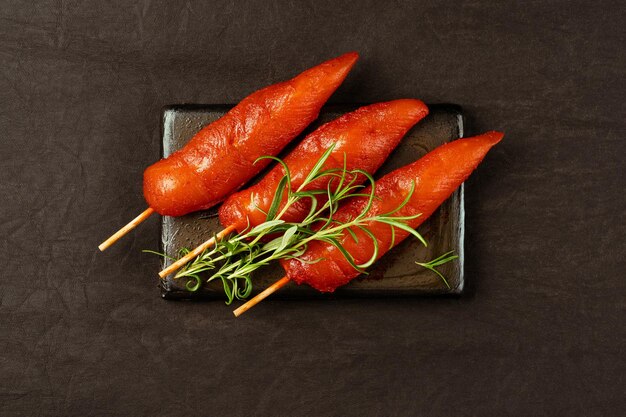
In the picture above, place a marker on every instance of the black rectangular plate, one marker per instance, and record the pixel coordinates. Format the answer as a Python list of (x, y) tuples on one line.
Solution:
[(394, 274)]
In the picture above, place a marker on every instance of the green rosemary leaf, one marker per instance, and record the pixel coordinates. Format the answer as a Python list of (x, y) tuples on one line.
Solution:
[(404, 227), (246, 290), (286, 171), (193, 283), (254, 204), (360, 195), (296, 252), (286, 238), (405, 218), (404, 202), (371, 196), (312, 208), (265, 226), (228, 290), (308, 193), (318, 165), (278, 198), (273, 244), (443, 259), (344, 252), (375, 254), (351, 233), (162, 255)]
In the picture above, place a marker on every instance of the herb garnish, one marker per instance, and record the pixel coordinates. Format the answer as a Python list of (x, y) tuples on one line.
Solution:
[(233, 259)]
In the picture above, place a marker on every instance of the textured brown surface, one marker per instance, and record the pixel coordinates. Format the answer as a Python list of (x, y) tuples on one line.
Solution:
[(394, 274), (541, 330)]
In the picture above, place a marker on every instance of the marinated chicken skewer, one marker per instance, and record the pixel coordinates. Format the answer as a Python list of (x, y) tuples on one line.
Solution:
[(221, 157)]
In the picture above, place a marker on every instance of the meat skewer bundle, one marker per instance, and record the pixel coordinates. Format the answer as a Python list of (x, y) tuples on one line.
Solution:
[(194, 178), (364, 137), (432, 179), (322, 234)]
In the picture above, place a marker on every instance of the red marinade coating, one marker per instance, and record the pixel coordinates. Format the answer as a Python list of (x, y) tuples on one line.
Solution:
[(436, 176), (219, 158), (366, 136)]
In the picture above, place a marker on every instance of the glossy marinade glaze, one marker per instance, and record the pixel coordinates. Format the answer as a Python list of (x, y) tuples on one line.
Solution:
[(365, 137), (220, 158), (436, 176)]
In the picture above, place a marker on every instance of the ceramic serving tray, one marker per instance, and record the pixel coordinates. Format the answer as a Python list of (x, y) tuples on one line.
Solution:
[(394, 274)]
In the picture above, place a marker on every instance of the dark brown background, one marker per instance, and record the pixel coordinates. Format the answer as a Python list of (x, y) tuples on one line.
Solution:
[(541, 331)]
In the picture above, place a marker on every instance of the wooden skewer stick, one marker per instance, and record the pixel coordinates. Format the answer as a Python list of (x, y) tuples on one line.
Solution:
[(261, 296), (196, 252), (130, 226)]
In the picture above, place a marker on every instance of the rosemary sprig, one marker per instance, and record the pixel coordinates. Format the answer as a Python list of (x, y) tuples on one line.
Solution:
[(445, 258), (233, 260)]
